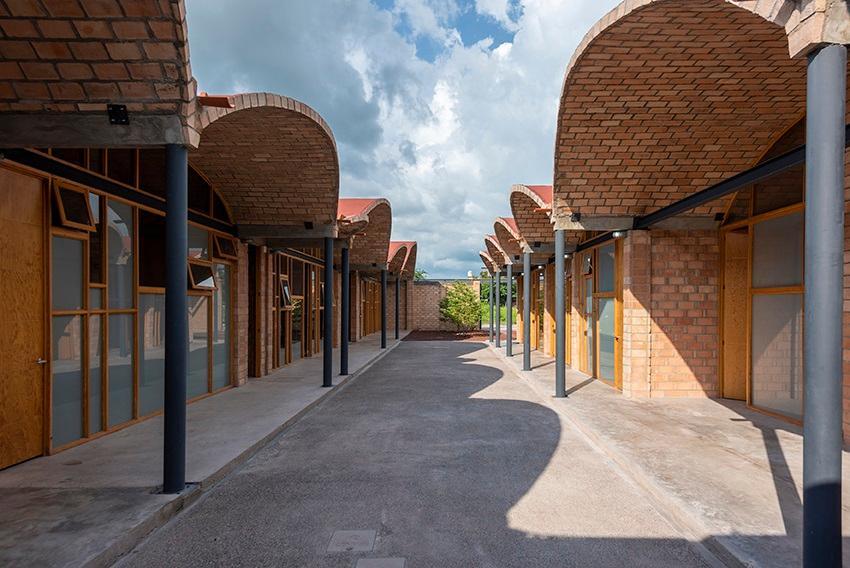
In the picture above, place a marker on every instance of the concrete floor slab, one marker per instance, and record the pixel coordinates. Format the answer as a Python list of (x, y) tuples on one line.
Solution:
[(454, 460), (727, 474), (96, 500)]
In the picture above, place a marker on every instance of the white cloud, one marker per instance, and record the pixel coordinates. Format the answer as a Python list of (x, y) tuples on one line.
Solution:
[(499, 10), (443, 141)]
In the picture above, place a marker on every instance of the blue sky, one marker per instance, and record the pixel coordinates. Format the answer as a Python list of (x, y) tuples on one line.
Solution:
[(438, 105)]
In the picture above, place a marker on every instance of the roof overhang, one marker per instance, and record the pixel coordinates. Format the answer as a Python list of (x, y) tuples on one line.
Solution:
[(665, 97), (274, 160), (368, 226)]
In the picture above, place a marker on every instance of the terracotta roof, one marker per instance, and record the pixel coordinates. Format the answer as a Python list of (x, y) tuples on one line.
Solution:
[(368, 222), (396, 256), (408, 270)]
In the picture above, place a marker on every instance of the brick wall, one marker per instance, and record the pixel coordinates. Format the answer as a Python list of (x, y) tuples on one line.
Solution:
[(425, 307), (636, 317), (684, 311), (240, 316)]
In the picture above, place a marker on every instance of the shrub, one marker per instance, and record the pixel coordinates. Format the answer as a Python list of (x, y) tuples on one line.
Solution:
[(460, 306)]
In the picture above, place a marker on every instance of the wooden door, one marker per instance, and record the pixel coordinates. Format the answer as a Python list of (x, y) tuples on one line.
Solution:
[(22, 345), (735, 294)]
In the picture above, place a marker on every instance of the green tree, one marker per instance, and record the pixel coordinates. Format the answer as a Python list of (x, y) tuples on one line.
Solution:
[(460, 306), (420, 274)]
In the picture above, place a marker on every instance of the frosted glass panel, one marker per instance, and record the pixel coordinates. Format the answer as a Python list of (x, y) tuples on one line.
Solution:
[(120, 361), (198, 346), (221, 328), (777, 353), (606, 268), (151, 353), (119, 240), (606, 339), (778, 251), (67, 274), (67, 380), (95, 374)]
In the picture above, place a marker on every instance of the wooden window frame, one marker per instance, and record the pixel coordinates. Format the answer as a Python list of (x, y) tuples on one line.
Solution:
[(218, 253), (63, 217), (196, 286)]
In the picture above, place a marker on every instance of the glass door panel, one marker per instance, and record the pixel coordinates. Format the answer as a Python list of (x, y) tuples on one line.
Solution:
[(590, 324), (606, 339)]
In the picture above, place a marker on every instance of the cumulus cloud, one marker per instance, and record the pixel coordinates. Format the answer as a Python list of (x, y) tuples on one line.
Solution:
[(443, 139)]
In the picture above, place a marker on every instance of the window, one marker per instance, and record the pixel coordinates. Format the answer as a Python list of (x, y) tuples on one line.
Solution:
[(74, 209), (201, 276), (199, 193), (285, 295), (199, 243), (120, 236), (225, 247)]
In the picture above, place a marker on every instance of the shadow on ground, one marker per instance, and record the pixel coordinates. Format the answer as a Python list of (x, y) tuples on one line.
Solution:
[(448, 464)]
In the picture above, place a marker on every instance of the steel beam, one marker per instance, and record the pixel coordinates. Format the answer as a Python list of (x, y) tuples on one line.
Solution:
[(383, 309), (560, 316), (176, 318), (509, 306), (345, 311), (823, 309), (328, 339), (526, 311)]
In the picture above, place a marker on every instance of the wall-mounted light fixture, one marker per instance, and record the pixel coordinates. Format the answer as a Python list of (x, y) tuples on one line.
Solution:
[(618, 234)]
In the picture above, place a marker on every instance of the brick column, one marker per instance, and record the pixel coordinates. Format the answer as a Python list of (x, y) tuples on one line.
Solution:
[(637, 291), (240, 316)]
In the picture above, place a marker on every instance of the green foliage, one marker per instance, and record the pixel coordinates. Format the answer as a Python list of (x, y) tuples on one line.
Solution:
[(503, 289), (420, 274), (460, 306)]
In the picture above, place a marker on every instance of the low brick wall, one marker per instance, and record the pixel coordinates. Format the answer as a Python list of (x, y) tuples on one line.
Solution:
[(425, 304)]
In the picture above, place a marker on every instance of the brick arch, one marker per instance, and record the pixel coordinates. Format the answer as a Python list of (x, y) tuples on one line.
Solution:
[(396, 257), (531, 207), (491, 266), (371, 244), (408, 269), (495, 250), (273, 158), (665, 97), (508, 235), (70, 58)]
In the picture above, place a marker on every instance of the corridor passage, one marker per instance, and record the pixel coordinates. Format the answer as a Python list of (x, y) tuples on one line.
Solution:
[(437, 456)]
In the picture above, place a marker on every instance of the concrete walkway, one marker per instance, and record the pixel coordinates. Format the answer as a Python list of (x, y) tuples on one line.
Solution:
[(94, 502), (438, 456), (725, 475)]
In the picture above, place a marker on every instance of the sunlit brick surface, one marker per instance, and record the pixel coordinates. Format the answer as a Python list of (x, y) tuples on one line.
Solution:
[(664, 98), (507, 234)]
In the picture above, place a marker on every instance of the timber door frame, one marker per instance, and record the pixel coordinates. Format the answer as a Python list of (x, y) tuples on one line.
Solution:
[(43, 437)]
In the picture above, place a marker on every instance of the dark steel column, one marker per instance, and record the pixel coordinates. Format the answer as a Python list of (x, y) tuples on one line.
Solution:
[(526, 311), (176, 318), (822, 342), (560, 316), (498, 308), (397, 304), (492, 282), (345, 312), (383, 309), (509, 317), (328, 339)]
